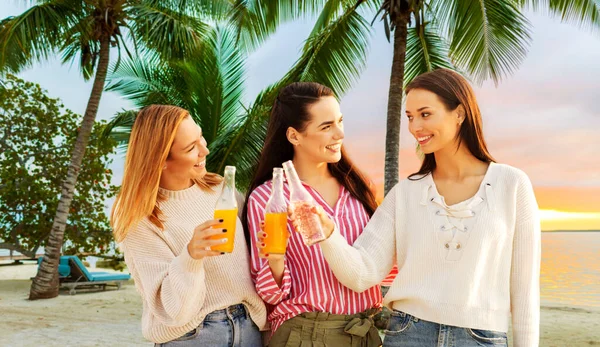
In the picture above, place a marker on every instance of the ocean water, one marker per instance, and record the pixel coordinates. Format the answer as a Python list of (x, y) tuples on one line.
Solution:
[(570, 273)]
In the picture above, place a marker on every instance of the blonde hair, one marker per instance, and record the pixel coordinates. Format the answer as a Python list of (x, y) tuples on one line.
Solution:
[(150, 142)]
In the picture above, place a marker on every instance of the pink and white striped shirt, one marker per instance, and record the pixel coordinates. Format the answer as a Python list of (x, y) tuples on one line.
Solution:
[(308, 283)]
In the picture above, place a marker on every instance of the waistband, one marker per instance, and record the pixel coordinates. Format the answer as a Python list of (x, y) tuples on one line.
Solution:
[(233, 311)]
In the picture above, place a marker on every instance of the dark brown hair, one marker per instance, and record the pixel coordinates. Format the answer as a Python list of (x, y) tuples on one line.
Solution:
[(291, 110), (453, 90)]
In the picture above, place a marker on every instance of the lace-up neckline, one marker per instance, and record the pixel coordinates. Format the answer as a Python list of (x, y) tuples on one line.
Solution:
[(454, 223)]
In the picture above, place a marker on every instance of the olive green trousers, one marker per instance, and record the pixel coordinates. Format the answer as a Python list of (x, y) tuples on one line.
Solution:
[(322, 329)]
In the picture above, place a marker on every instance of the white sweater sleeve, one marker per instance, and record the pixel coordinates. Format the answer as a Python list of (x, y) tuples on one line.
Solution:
[(173, 287), (525, 271), (370, 259)]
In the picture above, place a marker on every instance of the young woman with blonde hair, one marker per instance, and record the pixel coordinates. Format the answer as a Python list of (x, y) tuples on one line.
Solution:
[(163, 221)]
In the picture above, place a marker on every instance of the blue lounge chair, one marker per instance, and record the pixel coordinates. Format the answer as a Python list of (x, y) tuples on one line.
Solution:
[(73, 274), (64, 270)]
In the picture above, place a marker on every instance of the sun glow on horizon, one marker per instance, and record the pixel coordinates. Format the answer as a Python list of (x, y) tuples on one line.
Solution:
[(563, 220)]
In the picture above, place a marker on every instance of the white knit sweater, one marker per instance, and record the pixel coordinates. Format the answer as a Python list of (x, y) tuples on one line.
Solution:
[(178, 291), (470, 265)]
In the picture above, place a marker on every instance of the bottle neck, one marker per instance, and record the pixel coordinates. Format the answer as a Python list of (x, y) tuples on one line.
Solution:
[(292, 176), (227, 199), (229, 180), (277, 183)]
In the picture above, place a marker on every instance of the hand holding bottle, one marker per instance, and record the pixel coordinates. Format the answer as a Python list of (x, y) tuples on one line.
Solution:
[(226, 211), (274, 234), (264, 248), (204, 237), (301, 204), (327, 224)]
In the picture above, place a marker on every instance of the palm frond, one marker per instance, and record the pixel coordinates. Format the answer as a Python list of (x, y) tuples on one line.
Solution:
[(232, 66), (256, 20), (488, 38), (214, 79), (204, 9), (241, 143), (583, 13), (79, 40), (171, 34), (145, 81), (336, 56), (35, 34), (425, 51), (329, 13), (119, 128), (209, 85)]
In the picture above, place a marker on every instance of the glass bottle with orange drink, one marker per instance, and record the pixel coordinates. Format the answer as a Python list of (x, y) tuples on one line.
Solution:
[(276, 230), (227, 210)]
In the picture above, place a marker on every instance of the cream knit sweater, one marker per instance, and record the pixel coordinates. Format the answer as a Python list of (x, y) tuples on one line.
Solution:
[(470, 265), (178, 291)]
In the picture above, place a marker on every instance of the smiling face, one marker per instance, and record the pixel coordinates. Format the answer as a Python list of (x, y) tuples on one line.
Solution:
[(187, 157), (322, 138), (430, 122)]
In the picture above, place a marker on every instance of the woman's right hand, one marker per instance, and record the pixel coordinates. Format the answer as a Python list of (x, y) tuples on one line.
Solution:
[(199, 245), (276, 261), (261, 244)]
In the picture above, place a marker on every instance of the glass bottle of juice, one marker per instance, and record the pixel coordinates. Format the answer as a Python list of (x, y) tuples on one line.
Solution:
[(227, 210), (276, 218), (301, 203)]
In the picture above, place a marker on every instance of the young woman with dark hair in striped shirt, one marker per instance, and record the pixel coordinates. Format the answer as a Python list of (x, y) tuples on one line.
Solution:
[(307, 303)]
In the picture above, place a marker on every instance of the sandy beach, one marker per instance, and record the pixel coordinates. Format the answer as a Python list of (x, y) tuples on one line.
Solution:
[(113, 317)]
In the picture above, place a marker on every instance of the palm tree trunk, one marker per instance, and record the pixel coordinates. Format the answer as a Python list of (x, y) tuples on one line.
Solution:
[(45, 284), (394, 111)]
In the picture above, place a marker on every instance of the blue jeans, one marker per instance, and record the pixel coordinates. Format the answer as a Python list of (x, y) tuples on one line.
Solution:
[(230, 327), (408, 331)]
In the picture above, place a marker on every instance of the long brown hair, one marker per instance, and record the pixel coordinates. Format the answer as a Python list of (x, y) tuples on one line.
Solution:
[(453, 90), (150, 142), (291, 110)]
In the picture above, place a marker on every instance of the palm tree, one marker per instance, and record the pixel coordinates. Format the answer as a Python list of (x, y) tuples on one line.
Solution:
[(486, 39), (210, 86), (86, 31)]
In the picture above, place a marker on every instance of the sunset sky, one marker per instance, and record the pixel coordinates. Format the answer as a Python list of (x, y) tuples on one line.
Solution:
[(544, 119)]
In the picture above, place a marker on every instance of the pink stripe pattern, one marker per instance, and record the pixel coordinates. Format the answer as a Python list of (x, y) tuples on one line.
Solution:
[(308, 283)]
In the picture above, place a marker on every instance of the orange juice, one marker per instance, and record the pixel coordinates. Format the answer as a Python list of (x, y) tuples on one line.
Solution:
[(229, 218), (277, 233)]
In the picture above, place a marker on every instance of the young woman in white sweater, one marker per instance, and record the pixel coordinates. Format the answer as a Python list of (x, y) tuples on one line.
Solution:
[(163, 221), (464, 231)]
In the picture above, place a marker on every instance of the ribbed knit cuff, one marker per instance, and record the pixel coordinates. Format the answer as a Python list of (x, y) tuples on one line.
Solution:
[(334, 239), (187, 263)]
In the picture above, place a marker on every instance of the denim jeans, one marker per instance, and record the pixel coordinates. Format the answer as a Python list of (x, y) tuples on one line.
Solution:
[(230, 327), (408, 331)]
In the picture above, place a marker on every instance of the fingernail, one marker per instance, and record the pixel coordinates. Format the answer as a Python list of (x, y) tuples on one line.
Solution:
[(222, 253), (262, 244), (224, 230), (220, 221)]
